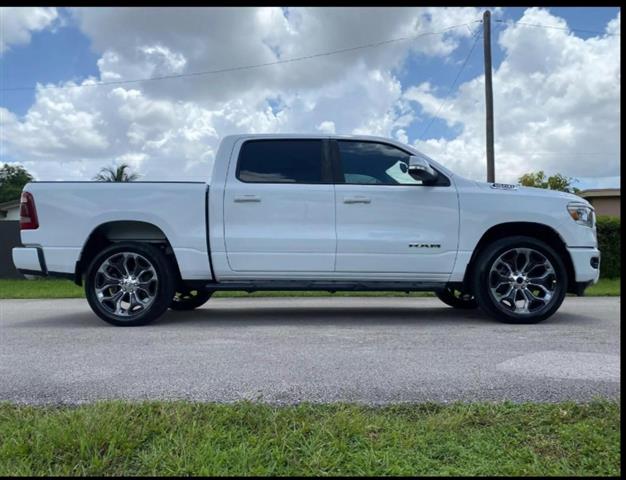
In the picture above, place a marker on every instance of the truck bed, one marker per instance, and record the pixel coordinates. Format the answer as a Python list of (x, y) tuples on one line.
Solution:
[(68, 212)]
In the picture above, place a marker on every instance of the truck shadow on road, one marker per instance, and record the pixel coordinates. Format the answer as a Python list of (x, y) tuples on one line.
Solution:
[(286, 316), (323, 316), (210, 317)]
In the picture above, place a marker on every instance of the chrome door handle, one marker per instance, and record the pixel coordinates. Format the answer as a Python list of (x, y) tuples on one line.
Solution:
[(357, 199), (247, 199)]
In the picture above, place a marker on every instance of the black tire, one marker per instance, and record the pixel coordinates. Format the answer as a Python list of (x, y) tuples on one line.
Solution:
[(502, 305), (150, 285), (190, 299), (457, 299)]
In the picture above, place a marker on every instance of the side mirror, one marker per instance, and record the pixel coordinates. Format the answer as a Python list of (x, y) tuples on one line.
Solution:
[(421, 170)]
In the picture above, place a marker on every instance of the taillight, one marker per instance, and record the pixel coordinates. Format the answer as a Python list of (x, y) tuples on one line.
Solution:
[(28, 212)]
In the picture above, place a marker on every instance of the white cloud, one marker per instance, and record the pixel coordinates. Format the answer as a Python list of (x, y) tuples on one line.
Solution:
[(216, 38), (556, 105), (556, 95), (327, 127), (171, 128), (401, 135), (17, 23)]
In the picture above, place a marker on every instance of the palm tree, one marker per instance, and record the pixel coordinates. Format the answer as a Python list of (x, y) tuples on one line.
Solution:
[(116, 174)]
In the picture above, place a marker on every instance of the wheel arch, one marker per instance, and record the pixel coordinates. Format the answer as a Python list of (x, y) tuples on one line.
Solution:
[(117, 231), (529, 229)]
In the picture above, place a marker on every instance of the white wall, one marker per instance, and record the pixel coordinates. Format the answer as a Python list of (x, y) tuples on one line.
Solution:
[(12, 214)]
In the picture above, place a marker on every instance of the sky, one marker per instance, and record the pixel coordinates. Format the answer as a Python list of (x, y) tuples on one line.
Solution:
[(556, 82)]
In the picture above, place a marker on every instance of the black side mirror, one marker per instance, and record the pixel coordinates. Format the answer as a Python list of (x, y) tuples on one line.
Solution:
[(419, 169)]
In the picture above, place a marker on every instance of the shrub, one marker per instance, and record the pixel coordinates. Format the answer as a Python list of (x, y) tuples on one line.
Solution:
[(609, 244)]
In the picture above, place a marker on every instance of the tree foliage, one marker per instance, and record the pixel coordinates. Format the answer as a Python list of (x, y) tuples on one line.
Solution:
[(12, 181), (609, 244), (121, 173), (553, 182)]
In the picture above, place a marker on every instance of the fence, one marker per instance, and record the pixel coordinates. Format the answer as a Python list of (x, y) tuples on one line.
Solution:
[(9, 238)]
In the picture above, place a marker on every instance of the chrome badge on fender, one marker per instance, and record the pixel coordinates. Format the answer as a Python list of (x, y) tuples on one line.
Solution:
[(504, 186)]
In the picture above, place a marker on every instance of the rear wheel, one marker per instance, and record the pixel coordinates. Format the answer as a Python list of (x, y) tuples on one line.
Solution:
[(190, 299), (519, 280), (129, 284), (457, 299)]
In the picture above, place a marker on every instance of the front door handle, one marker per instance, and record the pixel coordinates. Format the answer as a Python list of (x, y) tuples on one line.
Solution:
[(247, 199), (357, 199)]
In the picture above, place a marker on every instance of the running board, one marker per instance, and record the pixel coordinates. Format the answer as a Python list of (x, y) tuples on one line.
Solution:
[(327, 286)]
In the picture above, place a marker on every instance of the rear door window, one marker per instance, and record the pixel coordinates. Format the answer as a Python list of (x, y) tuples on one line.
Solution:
[(281, 161)]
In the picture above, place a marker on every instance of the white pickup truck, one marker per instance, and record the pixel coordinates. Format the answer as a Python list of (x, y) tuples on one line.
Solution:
[(311, 212)]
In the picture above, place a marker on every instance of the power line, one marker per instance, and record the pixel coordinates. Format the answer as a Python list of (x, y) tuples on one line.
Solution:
[(549, 152), (558, 155), (476, 37), (246, 67), (561, 28), (573, 153)]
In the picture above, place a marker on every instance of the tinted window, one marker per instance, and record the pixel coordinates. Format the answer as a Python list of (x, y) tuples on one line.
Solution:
[(374, 163), (280, 161)]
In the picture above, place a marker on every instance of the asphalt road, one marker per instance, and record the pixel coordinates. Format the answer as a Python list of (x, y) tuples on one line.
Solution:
[(367, 350)]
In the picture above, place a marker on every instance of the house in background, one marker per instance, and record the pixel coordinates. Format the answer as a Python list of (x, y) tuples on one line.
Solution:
[(606, 201), (10, 210)]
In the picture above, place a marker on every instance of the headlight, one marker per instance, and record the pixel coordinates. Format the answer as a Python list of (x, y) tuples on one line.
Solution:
[(581, 213)]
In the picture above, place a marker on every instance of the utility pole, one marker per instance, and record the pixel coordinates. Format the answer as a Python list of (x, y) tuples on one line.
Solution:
[(491, 174)]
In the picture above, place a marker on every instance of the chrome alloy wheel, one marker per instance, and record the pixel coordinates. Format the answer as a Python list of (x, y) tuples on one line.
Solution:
[(126, 284), (522, 281)]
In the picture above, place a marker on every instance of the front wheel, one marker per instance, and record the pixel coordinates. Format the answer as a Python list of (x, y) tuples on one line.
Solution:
[(190, 299), (129, 284), (519, 280)]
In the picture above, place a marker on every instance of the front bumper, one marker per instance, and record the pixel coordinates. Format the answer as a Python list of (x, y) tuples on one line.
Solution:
[(586, 262)]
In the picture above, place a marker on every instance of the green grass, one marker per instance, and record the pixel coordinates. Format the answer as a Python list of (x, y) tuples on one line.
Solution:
[(45, 288), (178, 438), (39, 288), (609, 287)]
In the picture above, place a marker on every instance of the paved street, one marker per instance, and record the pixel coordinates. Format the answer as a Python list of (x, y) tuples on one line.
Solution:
[(370, 350)]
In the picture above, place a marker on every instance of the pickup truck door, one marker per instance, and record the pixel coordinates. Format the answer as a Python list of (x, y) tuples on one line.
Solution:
[(279, 208), (388, 224)]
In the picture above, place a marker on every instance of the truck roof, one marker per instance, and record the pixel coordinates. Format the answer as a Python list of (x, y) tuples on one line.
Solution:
[(308, 135)]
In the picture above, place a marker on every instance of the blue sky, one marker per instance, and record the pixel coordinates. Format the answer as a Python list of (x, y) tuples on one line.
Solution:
[(65, 52)]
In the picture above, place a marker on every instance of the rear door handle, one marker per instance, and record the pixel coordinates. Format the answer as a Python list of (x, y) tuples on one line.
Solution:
[(357, 199), (247, 199)]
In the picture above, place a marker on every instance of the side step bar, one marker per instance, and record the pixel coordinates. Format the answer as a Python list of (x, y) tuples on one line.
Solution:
[(328, 286)]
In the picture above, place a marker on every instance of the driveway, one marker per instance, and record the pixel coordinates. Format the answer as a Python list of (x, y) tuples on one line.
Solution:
[(286, 350)]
